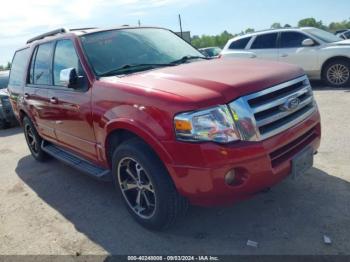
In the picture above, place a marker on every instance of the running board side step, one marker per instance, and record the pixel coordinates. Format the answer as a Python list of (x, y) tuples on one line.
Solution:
[(76, 162)]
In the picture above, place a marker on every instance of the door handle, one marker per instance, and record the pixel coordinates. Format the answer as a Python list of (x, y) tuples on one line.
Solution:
[(253, 56), (53, 100), (26, 95), (284, 55)]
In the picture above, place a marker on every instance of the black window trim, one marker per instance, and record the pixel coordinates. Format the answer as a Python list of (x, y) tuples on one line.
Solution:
[(52, 86), (31, 61), (246, 46), (268, 33), (280, 37), (33, 56), (86, 88)]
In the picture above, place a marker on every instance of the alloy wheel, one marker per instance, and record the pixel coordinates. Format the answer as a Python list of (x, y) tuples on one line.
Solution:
[(338, 74), (31, 139), (137, 188)]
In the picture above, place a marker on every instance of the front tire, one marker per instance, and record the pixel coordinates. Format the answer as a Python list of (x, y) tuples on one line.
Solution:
[(147, 189), (33, 140), (337, 73)]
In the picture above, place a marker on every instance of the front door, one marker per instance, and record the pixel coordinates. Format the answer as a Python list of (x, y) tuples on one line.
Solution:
[(70, 108), (292, 51)]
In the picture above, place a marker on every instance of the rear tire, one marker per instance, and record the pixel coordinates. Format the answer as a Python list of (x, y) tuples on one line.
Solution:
[(337, 73), (33, 140), (147, 189)]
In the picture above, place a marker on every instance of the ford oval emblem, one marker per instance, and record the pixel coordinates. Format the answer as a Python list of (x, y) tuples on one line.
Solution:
[(291, 104)]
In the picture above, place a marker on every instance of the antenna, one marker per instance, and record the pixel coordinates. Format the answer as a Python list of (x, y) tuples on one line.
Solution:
[(180, 25)]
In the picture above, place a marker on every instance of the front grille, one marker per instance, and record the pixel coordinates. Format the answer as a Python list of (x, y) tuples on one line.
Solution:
[(286, 152), (278, 108)]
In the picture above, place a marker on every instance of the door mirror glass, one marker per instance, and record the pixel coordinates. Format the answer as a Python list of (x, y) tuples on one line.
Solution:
[(69, 77), (308, 42)]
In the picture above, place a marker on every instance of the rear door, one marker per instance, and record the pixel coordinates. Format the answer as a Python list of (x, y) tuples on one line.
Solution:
[(265, 46), (36, 90), (292, 51), (70, 108)]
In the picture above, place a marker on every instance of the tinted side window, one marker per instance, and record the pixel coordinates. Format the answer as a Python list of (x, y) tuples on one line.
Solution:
[(18, 68), (240, 44), (347, 35), (292, 39), (42, 64), (266, 41), (65, 57), (31, 70)]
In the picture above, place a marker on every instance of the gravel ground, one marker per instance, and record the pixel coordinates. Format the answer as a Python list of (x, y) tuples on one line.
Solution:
[(52, 209)]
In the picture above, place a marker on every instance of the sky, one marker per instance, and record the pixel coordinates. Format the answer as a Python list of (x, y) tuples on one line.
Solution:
[(23, 19)]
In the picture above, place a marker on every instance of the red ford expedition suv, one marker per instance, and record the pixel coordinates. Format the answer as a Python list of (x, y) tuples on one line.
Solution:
[(146, 110)]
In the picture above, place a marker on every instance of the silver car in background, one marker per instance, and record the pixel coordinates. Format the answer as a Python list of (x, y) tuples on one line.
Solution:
[(321, 54), (211, 52)]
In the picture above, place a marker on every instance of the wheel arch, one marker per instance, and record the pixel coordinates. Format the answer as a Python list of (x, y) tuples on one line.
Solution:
[(119, 132), (330, 60), (21, 115)]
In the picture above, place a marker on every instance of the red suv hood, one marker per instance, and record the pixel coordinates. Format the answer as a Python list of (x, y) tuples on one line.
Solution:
[(216, 81)]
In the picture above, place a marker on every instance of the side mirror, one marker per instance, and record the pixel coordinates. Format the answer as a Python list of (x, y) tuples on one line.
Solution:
[(69, 77), (308, 42)]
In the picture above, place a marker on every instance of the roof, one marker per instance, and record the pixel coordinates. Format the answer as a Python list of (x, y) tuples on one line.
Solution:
[(210, 47)]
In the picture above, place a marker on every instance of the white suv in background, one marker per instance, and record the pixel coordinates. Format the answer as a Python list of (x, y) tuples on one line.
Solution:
[(321, 54)]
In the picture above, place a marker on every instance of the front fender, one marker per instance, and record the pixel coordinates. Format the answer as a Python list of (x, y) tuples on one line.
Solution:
[(149, 128)]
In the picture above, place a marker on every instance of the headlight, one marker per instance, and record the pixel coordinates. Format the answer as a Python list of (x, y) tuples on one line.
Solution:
[(215, 124)]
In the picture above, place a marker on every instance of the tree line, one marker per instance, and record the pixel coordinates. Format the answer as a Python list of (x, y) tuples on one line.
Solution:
[(221, 39), (5, 67)]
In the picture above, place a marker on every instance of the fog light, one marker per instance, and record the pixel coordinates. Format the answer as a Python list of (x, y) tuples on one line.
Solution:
[(230, 177)]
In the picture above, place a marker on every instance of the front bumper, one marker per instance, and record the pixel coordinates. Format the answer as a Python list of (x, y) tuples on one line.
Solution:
[(200, 168)]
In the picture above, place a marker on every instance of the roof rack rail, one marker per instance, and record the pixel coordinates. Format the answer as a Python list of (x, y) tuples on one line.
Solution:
[(51, 33), (82, 29)]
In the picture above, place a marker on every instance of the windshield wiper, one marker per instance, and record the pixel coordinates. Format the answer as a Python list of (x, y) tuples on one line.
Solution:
[(188, 58), (133, 67)]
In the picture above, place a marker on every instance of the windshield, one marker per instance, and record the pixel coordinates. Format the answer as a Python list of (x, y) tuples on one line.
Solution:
[(110, 50), (323, 35)]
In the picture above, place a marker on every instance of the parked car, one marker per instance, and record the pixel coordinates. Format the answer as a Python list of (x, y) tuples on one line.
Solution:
[(7, 117), (340, 31), (321, 54), (344, 34), (211, 51), (143, 108)]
